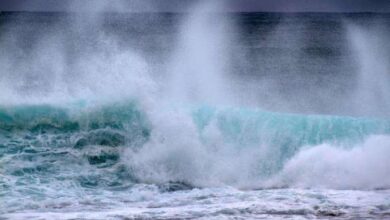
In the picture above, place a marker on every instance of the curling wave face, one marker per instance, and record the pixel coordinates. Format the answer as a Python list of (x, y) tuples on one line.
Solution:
[(116, 145)]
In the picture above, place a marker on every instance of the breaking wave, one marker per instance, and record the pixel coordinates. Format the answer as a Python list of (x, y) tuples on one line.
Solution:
[(118, 144)]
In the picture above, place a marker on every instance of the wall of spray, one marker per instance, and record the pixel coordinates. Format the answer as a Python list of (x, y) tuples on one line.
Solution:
[(78, 58), (200, 64), (371, 53), (294, 65)]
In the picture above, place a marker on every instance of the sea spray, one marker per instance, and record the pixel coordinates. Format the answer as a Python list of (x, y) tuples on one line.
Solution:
[(241, 147), (326, 166), (371, 54), (138, 116), (199, 68)]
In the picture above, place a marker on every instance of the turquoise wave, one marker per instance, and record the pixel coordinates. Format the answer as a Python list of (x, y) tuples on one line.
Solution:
[(250, 126), (284, 134), (239, 125), (62, 139), (47, 118), (243, 127)]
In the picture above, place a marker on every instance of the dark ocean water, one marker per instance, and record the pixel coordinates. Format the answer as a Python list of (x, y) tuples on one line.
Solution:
[(225, 116)]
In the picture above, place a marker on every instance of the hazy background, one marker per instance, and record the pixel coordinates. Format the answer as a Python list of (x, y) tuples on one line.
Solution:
[(185, 5), (317, 63)]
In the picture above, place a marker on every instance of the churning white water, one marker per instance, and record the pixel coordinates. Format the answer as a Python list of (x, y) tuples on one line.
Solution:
[(203, 115)]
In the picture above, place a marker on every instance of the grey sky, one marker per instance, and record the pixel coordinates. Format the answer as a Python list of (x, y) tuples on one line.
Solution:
[(183, 5)]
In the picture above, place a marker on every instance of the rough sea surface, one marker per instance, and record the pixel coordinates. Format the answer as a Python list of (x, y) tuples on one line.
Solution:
[(194, 116)]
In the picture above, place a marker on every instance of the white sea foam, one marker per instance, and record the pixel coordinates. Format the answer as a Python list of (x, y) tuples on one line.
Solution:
[(363, 167), (176, 151), (230, 203)]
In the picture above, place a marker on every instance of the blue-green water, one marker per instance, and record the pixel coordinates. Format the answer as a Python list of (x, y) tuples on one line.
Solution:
[(58, 154), (44, 143), (233, 116)]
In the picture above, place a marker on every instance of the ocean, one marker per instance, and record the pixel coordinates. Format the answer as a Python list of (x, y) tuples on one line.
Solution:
[(199, 115)]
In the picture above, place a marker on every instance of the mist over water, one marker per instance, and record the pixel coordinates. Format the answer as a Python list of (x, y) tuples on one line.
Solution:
[(203, 61), (372, 55), (145, 110), (200, 65)]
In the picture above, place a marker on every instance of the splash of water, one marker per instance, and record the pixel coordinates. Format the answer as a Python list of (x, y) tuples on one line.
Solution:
[(198, 69), (370, 50), (221, 149)]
